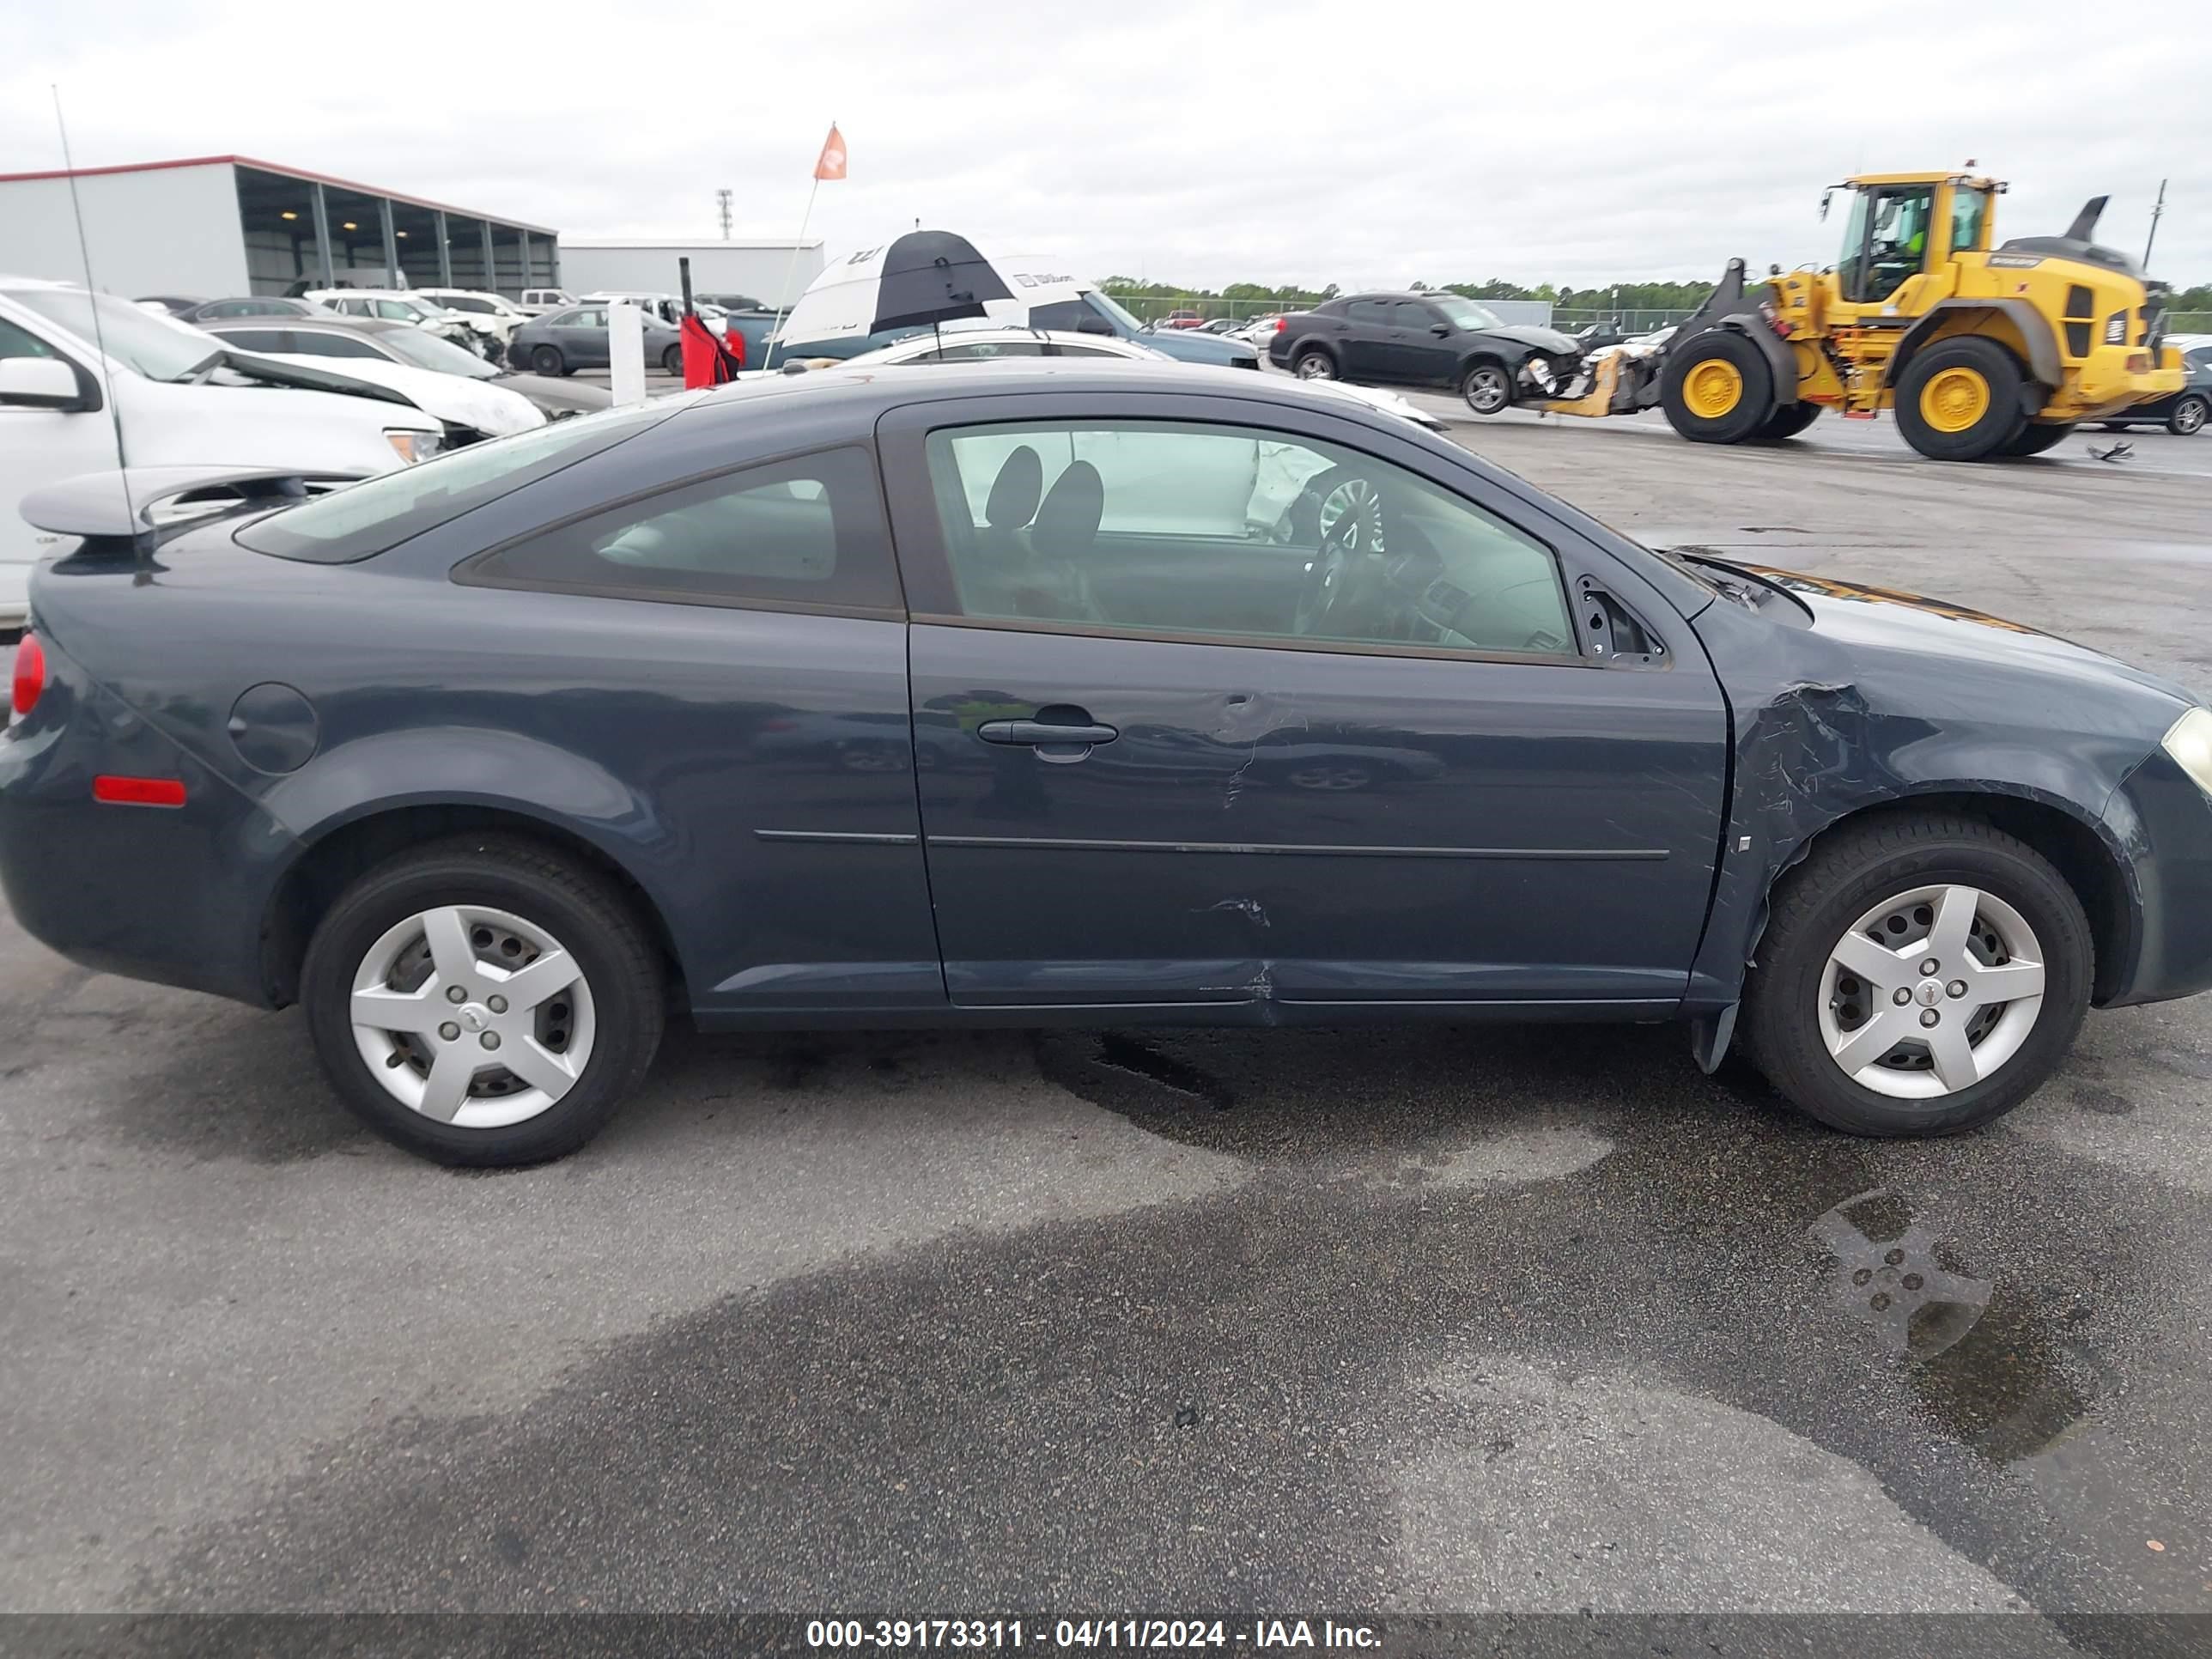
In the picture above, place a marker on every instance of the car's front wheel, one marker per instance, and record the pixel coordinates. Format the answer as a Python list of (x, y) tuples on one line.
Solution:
[(1919, 975), (2188, 417), (1488, 388), (548, 359), (482, 1001)]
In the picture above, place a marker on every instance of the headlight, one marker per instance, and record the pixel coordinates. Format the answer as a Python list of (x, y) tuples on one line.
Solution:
[(2190, 743), (412, 446)]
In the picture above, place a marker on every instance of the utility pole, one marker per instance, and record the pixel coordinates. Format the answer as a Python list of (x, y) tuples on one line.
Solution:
[(722, 207), (2157, 209)]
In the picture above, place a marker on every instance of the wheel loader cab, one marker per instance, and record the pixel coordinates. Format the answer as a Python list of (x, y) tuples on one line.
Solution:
[(1903, 227)]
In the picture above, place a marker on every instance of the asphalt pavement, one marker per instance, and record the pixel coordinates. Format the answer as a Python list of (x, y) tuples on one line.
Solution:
[(1368, 1322)]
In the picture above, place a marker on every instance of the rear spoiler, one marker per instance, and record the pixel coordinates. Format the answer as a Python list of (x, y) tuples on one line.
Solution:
[(120, 505)]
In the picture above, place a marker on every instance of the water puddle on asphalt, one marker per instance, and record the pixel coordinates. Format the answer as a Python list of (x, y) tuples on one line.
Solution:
[(1982, 1355)]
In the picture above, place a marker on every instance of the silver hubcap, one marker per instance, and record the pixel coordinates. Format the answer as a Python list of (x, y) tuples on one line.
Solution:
[(2190, 417), (1485, 391), (1931, 992), (472, 1016), (1315, 367)]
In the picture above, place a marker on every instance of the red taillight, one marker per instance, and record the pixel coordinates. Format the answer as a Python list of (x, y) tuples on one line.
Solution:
[(1281, 323), (138, 792), (30, 674)]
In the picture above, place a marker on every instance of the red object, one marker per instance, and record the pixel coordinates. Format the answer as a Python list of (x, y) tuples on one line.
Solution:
[(1281, 323), (30, 674), (831, 164), (707, 360), (138, 792)]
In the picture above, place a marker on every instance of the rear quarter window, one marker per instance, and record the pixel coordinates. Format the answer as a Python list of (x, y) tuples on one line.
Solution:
[(366, 519), (805, 533)]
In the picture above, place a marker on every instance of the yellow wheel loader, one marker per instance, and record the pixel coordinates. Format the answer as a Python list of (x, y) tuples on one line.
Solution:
[(1979, 350)]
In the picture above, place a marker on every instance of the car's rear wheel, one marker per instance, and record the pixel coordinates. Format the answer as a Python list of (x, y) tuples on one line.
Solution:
[(1314, 364), (1488, 388), (2188, 417), (548, 359), (1919, 975), (672, 360), (482, 1001)]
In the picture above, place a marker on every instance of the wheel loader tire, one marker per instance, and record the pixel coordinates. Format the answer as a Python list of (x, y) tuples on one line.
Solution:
[(1960, 400), (1787, 421), (2033, 439), (1717, 389)]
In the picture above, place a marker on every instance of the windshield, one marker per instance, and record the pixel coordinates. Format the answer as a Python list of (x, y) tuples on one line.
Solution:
[(157, 347), (1462, 312), (1103, 304), (429, 351), (369, 517)]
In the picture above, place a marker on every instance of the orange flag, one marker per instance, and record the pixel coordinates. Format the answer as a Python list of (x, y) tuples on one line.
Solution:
[(832, 162)]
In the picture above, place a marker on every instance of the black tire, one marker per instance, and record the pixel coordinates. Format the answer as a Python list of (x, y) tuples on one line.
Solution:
[(1787, 421), (2033, 439), (1701, 422), (1314, 363), (672, 361), (1850, 873), (548, 359), (2189, 416), (578, 909), (1488, 386), (2004, 413)]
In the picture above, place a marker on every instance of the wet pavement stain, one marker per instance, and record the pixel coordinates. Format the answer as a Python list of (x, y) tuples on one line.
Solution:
[(1981, 1356), (2108, 1102)]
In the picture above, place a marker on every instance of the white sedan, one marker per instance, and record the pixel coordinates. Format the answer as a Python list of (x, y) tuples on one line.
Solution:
[(963, 345)]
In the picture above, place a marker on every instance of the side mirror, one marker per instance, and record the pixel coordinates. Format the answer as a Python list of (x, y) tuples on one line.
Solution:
[(47, 383), (1441, 330)]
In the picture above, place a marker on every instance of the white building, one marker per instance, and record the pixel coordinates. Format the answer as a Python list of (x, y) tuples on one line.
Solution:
[(762, 271), (215, 226)]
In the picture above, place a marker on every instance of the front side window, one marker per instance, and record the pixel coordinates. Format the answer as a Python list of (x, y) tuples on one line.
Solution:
[(808, 531), (21, 343), (465, 302), (1895, 224), (1232, 533), (1970, 209), (399, 311)]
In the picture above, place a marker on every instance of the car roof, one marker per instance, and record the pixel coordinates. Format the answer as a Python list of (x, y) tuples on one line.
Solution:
[(881, 387)]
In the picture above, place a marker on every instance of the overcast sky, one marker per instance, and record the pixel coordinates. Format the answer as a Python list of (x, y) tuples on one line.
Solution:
[(1204, 143)]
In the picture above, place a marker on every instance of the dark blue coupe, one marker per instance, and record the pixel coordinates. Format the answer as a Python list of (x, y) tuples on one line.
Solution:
[(1049, 692)]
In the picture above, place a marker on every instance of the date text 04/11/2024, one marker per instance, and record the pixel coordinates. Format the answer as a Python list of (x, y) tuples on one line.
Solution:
[(897, 1634)]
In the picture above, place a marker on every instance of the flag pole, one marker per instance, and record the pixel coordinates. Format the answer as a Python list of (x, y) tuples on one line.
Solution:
[(768, 356)]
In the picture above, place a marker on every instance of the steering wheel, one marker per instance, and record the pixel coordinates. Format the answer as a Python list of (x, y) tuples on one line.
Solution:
[(1341, 576)]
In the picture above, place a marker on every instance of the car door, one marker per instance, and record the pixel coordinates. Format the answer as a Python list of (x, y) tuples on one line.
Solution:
[(1419, 355), (1219, 701), (1363, 348), (582, 337)]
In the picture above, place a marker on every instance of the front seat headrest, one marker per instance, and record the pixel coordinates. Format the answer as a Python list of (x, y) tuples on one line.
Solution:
[(1067, 523), (1013, 499)]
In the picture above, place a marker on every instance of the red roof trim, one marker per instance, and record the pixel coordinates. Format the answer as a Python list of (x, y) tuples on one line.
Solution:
[(285, 172)]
